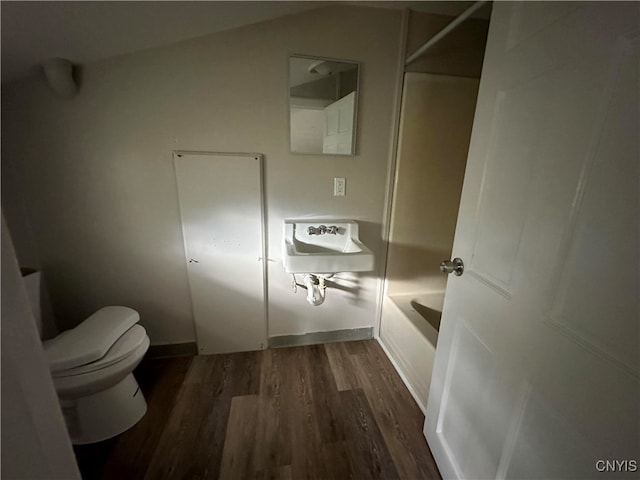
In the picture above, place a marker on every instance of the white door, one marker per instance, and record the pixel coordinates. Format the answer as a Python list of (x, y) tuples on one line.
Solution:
[(339, 123), (220, 199), (537, 367)]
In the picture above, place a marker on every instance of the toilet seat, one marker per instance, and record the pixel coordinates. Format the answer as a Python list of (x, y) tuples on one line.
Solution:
[(122, 348), (92, 371), (91, 340), (77, 385)]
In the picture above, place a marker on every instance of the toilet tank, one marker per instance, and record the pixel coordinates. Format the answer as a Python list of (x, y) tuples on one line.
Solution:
[(39, 303)]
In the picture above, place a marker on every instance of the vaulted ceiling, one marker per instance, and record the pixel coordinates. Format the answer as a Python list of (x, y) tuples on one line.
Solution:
[(88, 31)]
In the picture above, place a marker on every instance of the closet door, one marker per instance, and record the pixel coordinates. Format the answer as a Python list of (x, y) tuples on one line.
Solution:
[(221, 208)]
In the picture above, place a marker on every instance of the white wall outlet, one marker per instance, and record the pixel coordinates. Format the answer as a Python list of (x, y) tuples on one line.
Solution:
[(339, 187)]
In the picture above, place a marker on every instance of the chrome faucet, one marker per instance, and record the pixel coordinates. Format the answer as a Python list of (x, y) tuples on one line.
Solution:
[(322, 229)]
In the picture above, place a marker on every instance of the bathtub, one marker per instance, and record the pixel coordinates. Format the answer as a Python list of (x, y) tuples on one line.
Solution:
[(409, 335)]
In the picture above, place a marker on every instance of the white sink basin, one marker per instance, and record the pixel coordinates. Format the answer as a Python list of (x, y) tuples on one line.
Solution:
[(326, 252)]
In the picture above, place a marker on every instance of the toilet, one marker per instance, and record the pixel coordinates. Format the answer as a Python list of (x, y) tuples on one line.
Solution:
[(91, 366)]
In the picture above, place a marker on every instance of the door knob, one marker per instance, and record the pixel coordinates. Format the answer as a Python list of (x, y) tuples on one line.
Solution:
[(452, 266)]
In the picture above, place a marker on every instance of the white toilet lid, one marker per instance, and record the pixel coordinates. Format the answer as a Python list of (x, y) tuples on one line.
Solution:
[(91, 340), (124, 346)]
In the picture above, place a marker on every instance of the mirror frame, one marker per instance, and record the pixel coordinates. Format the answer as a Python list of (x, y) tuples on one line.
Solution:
[(354, 141)]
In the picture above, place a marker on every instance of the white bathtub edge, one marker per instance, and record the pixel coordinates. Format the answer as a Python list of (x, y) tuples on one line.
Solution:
[(411, 352), (403, 377)]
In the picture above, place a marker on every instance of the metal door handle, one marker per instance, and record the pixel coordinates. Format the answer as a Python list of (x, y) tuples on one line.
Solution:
[(452, 266)]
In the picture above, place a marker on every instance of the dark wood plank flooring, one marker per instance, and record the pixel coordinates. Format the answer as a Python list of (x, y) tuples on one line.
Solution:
[(328, 411)]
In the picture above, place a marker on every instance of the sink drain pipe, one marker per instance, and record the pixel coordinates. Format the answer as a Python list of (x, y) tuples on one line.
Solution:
[(316, 289)]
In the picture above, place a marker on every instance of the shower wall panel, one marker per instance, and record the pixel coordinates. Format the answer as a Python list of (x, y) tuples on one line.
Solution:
[(435, 128)]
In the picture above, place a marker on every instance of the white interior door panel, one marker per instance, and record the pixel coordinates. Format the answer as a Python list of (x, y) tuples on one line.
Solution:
[(537, 367)]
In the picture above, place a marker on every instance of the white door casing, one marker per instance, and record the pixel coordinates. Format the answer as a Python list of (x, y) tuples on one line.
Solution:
[(221, 208), (537, 368)]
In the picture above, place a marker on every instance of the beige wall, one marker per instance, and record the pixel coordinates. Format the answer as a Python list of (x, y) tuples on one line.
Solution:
[(97, 178), (435, 128)]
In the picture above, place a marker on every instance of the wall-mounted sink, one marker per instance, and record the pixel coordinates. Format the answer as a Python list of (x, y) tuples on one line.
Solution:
[(324, 246)]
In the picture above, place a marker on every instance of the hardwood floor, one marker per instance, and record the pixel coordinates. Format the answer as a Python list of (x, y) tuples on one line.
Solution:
[(332, 411)]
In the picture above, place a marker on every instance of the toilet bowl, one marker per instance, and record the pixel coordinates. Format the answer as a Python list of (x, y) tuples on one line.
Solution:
[(92, 367)]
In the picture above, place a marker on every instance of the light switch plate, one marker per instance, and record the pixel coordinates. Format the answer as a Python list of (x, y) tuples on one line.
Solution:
[(339, 187)]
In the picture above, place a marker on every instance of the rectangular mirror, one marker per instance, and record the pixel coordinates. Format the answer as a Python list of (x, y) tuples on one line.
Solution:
[(323, 100)]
